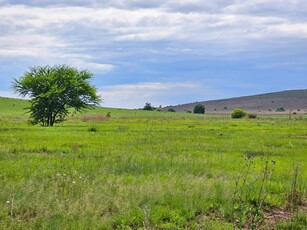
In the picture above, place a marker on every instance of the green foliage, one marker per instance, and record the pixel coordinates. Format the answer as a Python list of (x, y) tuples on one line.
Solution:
[(238, 113), (148, 106), (171, 110), (54, 90), (199, 108), (281, 109)]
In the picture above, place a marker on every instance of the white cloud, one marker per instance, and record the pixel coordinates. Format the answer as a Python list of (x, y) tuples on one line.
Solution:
[(120, 35), (136, 95), (9, 94), (60, 26), (92, 66)]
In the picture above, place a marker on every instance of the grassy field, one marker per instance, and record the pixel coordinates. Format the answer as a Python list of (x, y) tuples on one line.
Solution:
[(152, 170)]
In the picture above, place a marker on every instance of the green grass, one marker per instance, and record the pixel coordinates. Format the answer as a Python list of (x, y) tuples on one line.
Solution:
[(142, 169)]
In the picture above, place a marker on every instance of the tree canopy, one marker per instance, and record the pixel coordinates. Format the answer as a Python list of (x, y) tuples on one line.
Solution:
[(148, 106), (199, 108), (54, 91)]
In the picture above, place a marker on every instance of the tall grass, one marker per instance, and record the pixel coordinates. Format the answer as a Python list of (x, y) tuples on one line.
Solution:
[(140, 169)]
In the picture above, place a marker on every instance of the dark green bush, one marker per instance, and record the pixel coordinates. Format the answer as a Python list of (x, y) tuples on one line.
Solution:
[(171, 110), (238, 113), (252, 116), (199, 108), (148, 106), (281, 109)]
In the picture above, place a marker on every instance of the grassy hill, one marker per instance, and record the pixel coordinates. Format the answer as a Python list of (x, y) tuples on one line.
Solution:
[(295, 100), (12, 105)]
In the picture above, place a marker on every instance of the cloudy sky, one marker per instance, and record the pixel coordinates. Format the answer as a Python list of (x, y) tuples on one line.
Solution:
[(160, 51)]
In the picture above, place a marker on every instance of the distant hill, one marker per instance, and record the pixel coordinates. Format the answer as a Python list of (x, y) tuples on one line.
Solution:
[(291, 101)]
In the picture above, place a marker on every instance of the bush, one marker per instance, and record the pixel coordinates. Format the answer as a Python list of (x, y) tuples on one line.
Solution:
[(252, 116), (281, 109), (108, 114), (171, 110), (148, 106), (199, 108), (238, 113)]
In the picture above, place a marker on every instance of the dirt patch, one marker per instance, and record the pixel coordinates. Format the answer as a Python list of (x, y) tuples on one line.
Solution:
[(276, 215)]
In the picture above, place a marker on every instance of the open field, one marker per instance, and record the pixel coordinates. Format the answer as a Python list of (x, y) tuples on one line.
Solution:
[(152, 170)]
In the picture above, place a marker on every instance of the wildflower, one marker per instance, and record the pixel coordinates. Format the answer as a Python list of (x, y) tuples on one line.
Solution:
[(8, 202), (64, 174), (74, 182)]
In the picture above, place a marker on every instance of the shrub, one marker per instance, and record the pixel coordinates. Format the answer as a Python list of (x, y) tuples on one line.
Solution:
[(238, 113), (281, 109), (148, 106), (252, 115), (199, 108), (171, 110), (108, 114)]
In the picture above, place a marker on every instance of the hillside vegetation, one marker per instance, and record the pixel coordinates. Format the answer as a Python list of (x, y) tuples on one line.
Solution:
[(291, 101), (152, 170)]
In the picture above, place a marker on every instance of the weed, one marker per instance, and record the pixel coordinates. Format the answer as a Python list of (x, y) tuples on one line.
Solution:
[(146, 213), (250, 194)]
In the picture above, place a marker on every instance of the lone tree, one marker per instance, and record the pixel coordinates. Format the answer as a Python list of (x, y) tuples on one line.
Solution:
[(199, 108), (54, 91), (148, 106)]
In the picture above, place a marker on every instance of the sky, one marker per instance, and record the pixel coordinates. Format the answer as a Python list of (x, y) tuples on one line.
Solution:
[(164, 52)]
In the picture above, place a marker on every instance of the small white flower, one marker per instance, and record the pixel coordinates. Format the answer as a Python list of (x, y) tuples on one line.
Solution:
[(8, 202), (74, 182), (64, 174), (58, 174), (80, 177)]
